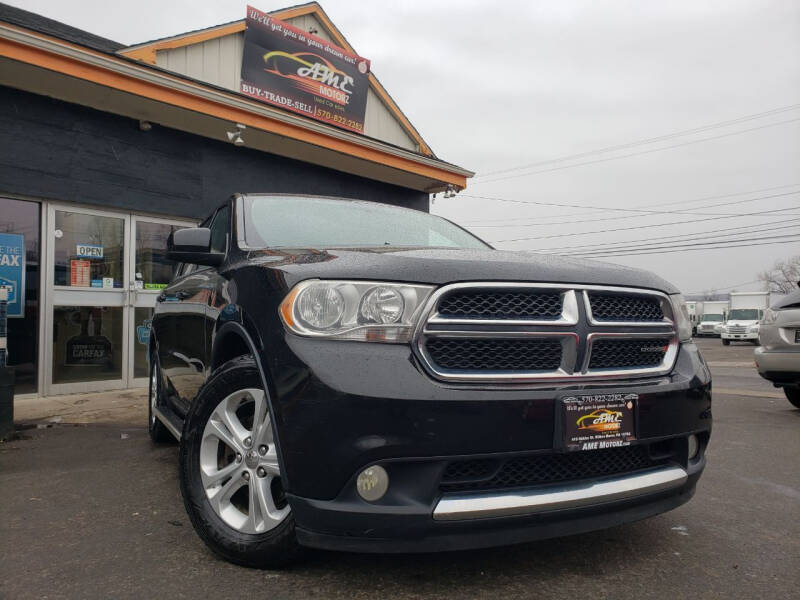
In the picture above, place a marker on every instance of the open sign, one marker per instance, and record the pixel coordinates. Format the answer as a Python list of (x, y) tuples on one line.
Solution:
[(89, 251)]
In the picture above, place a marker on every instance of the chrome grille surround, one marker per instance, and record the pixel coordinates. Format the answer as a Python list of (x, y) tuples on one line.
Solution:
[(575, 329)]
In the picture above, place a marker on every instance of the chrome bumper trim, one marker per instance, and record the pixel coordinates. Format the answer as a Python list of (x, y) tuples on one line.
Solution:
[(453, 507)]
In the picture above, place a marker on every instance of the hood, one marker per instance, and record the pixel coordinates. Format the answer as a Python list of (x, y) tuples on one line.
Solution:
[(444, 265)]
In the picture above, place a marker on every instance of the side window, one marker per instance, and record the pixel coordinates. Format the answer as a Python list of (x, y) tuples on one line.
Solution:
[(220, 229)]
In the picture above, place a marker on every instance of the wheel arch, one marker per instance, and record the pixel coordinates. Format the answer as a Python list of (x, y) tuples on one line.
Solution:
[(230, 340)]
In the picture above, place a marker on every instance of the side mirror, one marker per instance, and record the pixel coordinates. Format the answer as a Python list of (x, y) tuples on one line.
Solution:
[(193, 245)]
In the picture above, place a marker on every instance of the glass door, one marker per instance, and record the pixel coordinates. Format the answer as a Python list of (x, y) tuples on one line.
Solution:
[(105, 273), (87, 304), (152, 271)]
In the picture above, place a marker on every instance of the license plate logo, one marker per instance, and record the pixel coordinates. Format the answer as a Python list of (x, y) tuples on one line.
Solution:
[(598, 421)]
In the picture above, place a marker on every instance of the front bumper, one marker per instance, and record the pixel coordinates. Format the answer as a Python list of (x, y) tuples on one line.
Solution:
[(706, 331), (748, 336), (389, 412)]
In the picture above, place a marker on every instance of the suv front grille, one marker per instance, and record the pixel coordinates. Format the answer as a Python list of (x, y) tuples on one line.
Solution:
[(489, 474), (627, 354), (490, 354), (615, 307), (512, 304), (518, 332)]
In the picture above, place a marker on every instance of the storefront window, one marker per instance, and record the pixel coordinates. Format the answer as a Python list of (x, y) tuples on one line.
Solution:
[(87, 343), (19, 272), (88, 250), (153, 269)]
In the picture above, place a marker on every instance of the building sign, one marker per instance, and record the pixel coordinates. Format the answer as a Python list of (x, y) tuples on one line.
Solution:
[(293, 69), (12, 271), (80, 273), (89, 251)]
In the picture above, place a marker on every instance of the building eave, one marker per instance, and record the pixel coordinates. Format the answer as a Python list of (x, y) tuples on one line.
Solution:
[(142, 80)]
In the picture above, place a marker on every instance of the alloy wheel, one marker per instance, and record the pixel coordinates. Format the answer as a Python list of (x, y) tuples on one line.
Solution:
[(239, 464), (153, 393)]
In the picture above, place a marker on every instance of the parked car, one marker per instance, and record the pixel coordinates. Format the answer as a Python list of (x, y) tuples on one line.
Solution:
[(778, 357), (355, 376)]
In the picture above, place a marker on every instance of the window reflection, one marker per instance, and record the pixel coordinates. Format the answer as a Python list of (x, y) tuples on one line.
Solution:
[(88, 250), (153, 269)]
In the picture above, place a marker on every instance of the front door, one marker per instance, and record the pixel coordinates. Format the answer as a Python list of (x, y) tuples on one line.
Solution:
[(105, 271)]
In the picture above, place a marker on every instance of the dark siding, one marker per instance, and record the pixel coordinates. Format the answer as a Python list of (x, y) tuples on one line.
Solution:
[(55, 150)]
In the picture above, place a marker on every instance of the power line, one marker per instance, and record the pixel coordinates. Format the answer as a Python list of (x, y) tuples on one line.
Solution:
[(599, 160), (694, 249), (645, 140), (623, 251), (546, 237), (617, 218), (730, 287), (689, 236), (594, 210)]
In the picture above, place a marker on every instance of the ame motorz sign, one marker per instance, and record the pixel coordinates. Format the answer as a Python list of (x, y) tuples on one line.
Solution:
[(293, 69)]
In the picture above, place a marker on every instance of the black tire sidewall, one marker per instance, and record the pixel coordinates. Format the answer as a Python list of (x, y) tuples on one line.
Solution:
[(273, 548), (792, 395)]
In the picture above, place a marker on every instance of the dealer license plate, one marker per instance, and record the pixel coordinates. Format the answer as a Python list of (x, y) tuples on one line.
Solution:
[(598, 421)]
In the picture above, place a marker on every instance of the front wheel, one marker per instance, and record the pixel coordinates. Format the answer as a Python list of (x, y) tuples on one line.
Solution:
[(793, 395), (229, 472), (726, 342)]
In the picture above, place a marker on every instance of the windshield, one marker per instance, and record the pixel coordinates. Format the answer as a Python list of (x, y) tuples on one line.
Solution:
[(319, 223), (714, 318), (743, 314)]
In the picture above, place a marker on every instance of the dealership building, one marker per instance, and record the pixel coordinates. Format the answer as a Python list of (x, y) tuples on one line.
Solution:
[(106, 148)]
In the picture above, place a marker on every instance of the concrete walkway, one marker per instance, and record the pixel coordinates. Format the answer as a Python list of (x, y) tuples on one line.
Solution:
[(117, 407)]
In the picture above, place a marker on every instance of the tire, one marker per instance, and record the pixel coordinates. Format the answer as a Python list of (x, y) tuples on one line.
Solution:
[(228, 466), (158, 431), (726, 342), (793, 395)]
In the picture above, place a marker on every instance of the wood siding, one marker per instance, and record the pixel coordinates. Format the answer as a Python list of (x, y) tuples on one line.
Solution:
[(59, 151), (219, 62)]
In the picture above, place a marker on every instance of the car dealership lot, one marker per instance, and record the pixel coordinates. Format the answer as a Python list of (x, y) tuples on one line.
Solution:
[(94, 511)]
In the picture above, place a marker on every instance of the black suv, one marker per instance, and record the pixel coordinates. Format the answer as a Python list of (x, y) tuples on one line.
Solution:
[(356, 376)]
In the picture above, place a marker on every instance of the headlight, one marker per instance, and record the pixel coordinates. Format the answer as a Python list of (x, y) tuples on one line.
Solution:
[(681, 316), (753, 328), (364, 311), (770, 316)]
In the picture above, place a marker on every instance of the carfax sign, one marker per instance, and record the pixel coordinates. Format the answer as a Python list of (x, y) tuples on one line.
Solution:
[(293, 69), (12, 271)]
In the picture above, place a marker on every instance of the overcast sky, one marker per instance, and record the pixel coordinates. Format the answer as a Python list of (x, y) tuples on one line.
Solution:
[(494, 86)]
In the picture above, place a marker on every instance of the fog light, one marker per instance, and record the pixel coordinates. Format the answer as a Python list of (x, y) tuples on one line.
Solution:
[(694, 446), (372, 483)]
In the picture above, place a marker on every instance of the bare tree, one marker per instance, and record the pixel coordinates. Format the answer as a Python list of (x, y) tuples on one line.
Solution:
[(783, 277)]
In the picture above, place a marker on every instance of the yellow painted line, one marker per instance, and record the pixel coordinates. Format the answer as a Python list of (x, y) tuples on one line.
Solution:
[(751, 393)]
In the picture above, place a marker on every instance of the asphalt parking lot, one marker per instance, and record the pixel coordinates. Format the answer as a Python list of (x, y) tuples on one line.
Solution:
[(94, 511)]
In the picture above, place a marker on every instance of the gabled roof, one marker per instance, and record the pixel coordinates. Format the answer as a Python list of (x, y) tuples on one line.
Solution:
[(146, 52), (49, 58), (29, 20)]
